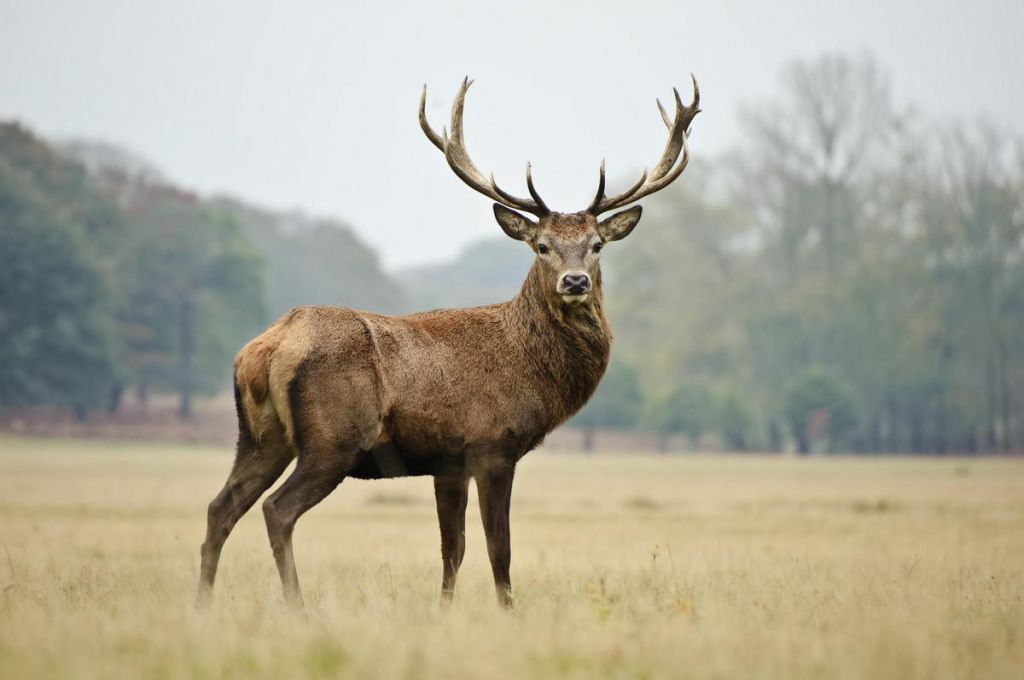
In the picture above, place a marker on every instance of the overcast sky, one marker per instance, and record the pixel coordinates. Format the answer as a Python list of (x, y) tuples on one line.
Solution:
[(312, 105)]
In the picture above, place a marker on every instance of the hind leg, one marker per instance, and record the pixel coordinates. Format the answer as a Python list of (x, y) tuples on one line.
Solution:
[(310, 482), (256, 467), (335, 413)]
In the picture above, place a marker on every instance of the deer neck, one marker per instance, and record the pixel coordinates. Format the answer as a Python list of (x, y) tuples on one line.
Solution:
[(568, 344)]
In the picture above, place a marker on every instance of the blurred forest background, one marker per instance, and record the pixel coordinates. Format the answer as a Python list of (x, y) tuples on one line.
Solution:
[(849, 278)]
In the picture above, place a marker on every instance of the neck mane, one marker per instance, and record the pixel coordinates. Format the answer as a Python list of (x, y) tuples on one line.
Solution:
[(568, 344)]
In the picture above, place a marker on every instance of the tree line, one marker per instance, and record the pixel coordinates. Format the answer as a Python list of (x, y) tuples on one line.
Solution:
[(113, 279), (851, 277)]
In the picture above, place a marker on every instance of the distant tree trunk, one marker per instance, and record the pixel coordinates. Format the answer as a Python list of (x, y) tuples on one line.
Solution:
[(116, 394), (588, 438), (917, 438), (972, 443), (1004, 398), (892, 442), (774, 436), (186, 364), (661, 441), (873, 441), (941, 442), (803, 443), (828, 225), (992, 406)]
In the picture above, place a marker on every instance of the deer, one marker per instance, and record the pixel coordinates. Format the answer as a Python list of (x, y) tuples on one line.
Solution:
[(456, 394)]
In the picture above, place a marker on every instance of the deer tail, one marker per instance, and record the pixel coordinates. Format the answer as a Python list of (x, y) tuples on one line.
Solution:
[(252, 383)]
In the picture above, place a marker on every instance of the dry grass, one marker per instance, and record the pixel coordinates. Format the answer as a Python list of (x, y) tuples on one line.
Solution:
[(624, 566)]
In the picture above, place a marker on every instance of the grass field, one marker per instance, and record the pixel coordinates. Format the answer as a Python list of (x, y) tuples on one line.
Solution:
[(624, 566)]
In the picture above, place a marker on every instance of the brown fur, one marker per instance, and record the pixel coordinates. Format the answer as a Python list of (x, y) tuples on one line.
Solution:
[(452, 393)]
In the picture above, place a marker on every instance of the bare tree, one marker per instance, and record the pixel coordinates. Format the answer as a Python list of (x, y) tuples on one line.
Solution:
[(976, 248), (806, 149)]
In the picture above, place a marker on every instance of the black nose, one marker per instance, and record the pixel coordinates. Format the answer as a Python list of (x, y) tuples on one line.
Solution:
[(576, 283)]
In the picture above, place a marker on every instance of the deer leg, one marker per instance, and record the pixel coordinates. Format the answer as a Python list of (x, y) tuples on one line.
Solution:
[(494, 487), (451, 494), (309, 483), (256, 467)]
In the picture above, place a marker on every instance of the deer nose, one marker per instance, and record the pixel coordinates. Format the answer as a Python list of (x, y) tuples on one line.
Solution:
[(575, 283)]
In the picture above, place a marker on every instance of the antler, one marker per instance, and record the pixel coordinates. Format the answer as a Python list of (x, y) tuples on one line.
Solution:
[(454, 150), (663, 173)]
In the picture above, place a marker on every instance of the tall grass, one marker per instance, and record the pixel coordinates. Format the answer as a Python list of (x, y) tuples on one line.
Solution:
[(624, 566)]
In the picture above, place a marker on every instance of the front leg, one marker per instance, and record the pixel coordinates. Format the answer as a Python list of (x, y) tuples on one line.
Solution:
[(494, 487), (451, 493)]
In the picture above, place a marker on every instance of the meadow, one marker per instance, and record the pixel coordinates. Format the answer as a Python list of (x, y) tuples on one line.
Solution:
[(638, 566)]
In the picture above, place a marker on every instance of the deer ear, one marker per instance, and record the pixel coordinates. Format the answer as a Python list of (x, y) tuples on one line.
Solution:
[(514, 224), (620, 224)]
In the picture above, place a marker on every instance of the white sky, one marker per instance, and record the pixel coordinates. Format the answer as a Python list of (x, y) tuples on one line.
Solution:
[(312, 105)]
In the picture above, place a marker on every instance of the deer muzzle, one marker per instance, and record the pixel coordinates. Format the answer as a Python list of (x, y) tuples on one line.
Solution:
[(574, 284)]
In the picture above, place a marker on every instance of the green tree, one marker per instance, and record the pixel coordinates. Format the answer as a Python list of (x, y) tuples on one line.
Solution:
[(196, 292), (56, 321), (484, 272), (311, 261), (975, 247), (687, 409), (615, 404), (820, 407), (733, 419)]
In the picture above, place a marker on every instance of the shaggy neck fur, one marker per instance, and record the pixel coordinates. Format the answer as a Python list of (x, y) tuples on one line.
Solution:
[(568, 344)]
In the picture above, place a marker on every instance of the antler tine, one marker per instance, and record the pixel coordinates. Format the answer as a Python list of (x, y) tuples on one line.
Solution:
[(674, 144), (508, 199), (599, 196), (666, 170), (434, 138), (454, 148), (607, 203), (664, 114), (619, 199), (529, 186)]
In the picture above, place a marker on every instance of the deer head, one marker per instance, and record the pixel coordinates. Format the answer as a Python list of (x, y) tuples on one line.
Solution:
[(568, 245)]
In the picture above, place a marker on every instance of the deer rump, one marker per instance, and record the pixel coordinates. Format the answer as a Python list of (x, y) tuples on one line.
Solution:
[(400, 396)]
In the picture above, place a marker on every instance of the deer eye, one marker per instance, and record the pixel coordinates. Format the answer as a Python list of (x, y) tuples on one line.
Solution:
[(597, 247), (542, 248)]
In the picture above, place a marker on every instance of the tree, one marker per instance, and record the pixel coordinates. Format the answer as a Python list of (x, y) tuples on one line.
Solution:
[(616, 403), (313, 261), (808, 150), (733, 419), (855, 236), (56, 322), (976, 251), (483, 272), (820, 407), (688, 409), (196, 292)]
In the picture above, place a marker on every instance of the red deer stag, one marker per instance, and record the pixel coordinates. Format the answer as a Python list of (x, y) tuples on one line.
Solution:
[(455, 393)]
